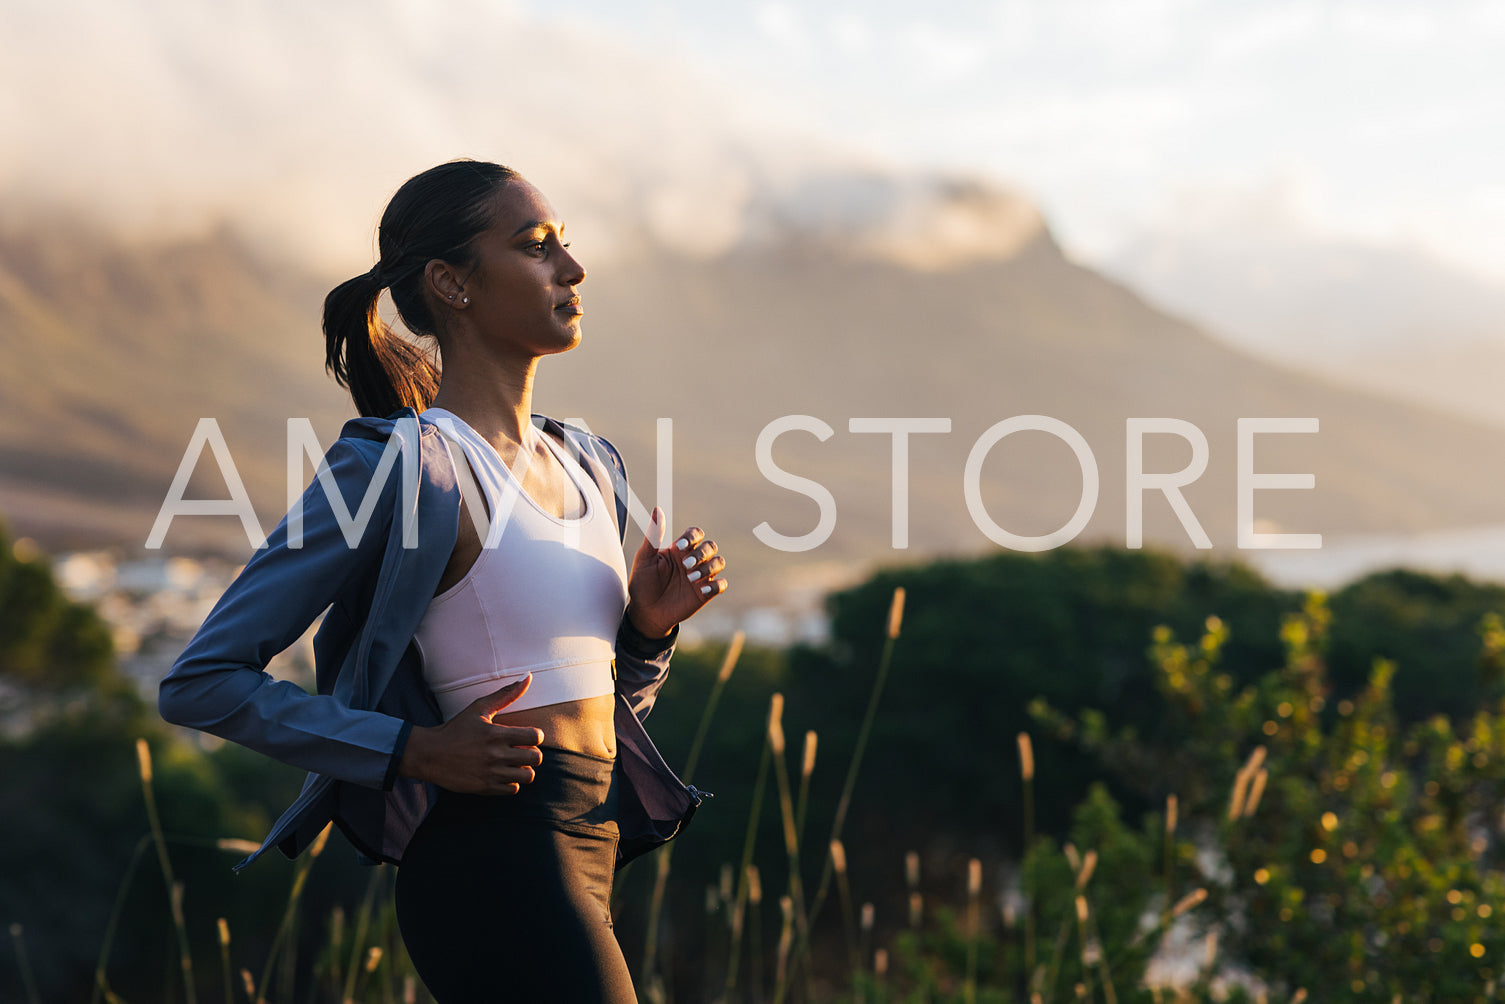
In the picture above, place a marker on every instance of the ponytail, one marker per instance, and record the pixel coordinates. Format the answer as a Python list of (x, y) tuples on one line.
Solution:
[(434, 215), (382, 370)]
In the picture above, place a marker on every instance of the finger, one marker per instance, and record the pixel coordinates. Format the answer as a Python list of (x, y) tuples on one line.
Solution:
[(499, 699), (653, 539), (694, 535), (520, 743), (513, 775), (699, 553), (713, 588), (709, 570)]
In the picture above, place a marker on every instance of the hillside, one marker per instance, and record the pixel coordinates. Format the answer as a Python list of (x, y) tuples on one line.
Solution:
[(126, 347)]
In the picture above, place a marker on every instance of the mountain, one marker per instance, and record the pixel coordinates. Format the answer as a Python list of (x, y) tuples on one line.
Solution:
[(811, 330), (126, 347), (116, 352), (1389, 318)]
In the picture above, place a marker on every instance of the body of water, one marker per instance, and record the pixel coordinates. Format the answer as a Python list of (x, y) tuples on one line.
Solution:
[(1478, 552)]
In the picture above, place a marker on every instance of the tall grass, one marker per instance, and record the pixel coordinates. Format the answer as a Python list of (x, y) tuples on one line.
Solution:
[(749, 841), (285, 929), (666, 855), (890, 635), (791, 838), (1027, 777), (23, 963), (174, 888), (369, 966)]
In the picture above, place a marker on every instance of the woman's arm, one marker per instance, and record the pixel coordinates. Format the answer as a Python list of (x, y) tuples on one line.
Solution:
[(666, 586), (219, 684)]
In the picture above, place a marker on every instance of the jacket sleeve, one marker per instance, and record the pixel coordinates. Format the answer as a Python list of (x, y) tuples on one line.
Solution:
[(642, 664), (219, 684)]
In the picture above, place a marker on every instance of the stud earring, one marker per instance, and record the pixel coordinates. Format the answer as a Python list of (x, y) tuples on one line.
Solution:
[(451, 296), (464, 299)]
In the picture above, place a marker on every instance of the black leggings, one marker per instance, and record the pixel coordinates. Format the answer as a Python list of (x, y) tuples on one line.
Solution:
[(507, 898)]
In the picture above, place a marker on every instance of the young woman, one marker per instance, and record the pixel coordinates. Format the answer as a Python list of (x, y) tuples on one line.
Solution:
[(486, 658)]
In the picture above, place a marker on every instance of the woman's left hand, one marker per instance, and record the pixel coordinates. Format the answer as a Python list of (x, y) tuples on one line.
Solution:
[(668, 585)]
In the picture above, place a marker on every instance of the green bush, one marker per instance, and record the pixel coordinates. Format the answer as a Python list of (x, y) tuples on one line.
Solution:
[(1350, 857)]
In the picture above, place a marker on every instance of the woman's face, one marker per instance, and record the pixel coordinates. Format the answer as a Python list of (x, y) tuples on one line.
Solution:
[(522, 291)]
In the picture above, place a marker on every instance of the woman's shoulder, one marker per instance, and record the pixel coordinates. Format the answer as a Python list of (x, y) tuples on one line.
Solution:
[(371, 436), (597, 444), (382, 454)]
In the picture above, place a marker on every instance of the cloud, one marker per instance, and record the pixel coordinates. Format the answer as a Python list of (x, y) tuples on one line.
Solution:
[(1256, 261), (924, 221), (943, 54), (852, 35), (781, 24), (296, 121)]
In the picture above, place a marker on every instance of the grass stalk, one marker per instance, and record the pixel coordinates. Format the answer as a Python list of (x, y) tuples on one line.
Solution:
[(23, 963), (912, 884), (665, 855), (1027, 777), (358, 941), (1058, 947), (895, 619), (728, 663), (974, 893), (1188, 902), (755, 930), (174, 890), (391, 940), (1170, 853), (655, 911), (848, 921), (224, 959), (717, 897), (786, 811), (807, 767), (864, 945), (1241, 782), (786, 941), (336, 944), (290, 912), (749, 841), (366, 968), (1085, 940), (101, 984), (1100, 957)]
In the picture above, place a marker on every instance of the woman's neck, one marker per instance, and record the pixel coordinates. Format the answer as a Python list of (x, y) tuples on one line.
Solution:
[(493, 397)]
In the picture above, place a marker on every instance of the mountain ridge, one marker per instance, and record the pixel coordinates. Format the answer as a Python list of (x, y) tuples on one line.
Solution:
[(723, 345)]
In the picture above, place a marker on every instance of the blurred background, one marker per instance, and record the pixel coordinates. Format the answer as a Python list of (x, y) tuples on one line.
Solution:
[(1093, 210)]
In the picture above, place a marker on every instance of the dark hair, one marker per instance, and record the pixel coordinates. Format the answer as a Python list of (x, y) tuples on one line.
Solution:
[(436, 214)]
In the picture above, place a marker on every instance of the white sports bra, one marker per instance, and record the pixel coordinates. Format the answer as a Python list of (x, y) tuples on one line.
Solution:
[(545, 596)]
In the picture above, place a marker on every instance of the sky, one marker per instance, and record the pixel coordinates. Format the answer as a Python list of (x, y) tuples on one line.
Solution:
[(1377, 122)]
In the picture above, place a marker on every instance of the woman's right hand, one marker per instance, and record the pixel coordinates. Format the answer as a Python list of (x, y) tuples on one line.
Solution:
[(469, 754)]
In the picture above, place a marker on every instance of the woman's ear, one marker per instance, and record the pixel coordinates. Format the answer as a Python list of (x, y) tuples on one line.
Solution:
[(443, 282)]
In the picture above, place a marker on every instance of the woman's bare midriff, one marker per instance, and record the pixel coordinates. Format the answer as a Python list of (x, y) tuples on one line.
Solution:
[(584, 726)]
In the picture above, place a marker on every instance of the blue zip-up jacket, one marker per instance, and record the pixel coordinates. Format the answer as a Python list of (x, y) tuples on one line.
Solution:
[(376, 585)]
